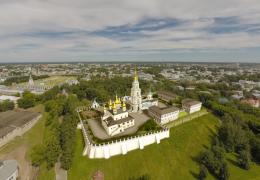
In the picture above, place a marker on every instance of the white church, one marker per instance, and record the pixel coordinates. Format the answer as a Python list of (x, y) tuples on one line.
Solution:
[(116, 118)]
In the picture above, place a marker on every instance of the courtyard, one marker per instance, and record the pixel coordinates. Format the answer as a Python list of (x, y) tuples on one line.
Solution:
[(100, 133)]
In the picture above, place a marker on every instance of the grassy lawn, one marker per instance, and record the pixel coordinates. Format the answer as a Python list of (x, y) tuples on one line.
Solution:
[(51, 81), (45, 174), (237, 173), (172, 159), (182, 114)]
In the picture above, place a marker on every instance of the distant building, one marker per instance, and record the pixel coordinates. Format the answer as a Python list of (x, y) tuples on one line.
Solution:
[(238, 95), (166, 96), (30, 82), (164, 115), (256, 94), (95, 104), (252, 102), (149, 101), (8, 170), (191, 106)]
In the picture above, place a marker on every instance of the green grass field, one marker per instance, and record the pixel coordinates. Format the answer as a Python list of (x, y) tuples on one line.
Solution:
[(51, 81), (172, 159)]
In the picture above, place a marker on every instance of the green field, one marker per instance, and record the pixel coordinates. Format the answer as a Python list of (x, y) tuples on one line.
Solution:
[(51, 81), (173, 158), (169, 160)]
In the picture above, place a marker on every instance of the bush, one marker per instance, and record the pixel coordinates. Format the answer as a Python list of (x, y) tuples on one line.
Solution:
[(203, 172), (150, 125), (28, 100), (244, 159), (6, 105)]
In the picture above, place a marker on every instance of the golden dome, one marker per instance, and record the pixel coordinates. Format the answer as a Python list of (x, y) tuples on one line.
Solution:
[(117, 101), (135, 75), (123, 104)]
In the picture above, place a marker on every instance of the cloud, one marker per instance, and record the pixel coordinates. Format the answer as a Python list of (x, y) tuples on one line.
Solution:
[(65, 29)]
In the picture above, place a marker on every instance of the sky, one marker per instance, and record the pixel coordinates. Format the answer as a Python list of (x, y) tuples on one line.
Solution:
[(129, 30)]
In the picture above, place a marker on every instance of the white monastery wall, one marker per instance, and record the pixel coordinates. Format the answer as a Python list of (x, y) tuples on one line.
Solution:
[(122, 146)]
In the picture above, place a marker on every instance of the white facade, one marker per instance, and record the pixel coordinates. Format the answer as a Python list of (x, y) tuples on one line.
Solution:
[(164, 117), (148, 103), (136, 97), (95, 105), (193, 108), (30, 83), (116, 121), (123, 146)]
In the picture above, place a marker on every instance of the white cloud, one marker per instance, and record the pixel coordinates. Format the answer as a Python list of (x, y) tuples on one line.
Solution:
[(19, 17)]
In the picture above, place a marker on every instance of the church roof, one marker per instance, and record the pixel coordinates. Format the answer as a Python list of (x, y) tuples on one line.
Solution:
[(162, 111), (110, 121), (190, 102)]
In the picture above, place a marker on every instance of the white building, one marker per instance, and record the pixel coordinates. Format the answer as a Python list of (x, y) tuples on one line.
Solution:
[(136, 97), (191, 106), (136, 101), (8, 170), (164, 115), (95, 104), (30, 82), (116, 119)]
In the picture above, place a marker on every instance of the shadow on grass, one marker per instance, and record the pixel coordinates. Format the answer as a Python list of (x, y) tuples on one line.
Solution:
[(195, 175), (233, 162)]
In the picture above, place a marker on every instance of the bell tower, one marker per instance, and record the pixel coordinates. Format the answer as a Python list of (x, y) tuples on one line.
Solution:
[(136, 98)]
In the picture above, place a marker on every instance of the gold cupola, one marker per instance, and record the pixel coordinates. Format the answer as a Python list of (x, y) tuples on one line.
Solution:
[(124, 106), (135, 75), (114, 108)]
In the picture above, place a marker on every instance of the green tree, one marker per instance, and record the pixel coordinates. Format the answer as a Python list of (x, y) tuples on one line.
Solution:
[(28, 100), (52, 151), (244, 159), (224, 172), (203, 172), (38, 155), (6, 105)]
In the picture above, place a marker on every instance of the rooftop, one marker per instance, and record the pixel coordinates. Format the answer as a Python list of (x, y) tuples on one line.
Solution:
[(110, 121), (7, 168), (10, 120), (190, 102), (164, 110)]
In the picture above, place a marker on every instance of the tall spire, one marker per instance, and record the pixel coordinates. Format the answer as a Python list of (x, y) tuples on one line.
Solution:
[(135, 75)]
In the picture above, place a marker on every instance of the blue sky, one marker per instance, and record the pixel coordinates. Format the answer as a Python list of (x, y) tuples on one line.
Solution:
[(119, 30)]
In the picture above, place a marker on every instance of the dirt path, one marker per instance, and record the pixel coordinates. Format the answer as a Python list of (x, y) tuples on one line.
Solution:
[(26, 171)]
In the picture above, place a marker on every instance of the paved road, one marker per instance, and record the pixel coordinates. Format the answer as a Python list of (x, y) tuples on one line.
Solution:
[(61, 174)]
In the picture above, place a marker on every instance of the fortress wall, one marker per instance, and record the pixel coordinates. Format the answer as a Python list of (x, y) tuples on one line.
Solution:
[(124, 145), (119, 147)]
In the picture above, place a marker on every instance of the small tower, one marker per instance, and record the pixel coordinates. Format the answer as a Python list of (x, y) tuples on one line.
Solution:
[(150, 95), (114, 108), (30, 82), (124, 106)]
